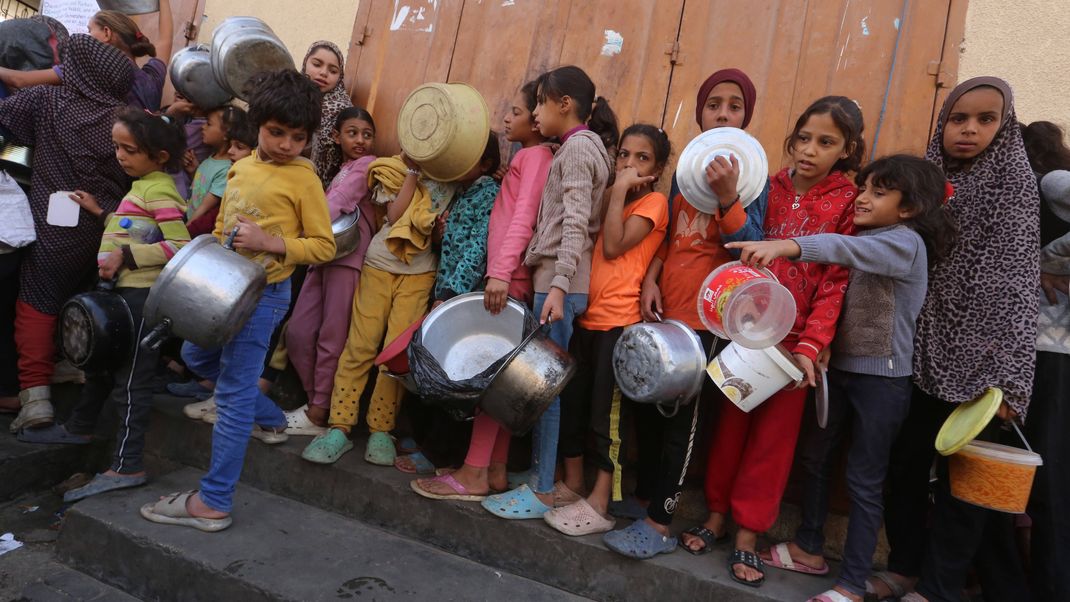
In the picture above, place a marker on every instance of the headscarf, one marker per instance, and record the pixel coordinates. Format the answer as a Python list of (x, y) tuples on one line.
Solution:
[(326, 155), (978, 326), (727, 75)]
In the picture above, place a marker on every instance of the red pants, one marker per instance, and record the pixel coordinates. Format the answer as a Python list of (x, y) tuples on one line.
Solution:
[(34, 332), (750, 459)]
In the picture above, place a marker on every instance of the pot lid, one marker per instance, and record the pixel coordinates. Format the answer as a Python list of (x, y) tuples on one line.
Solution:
[(721, 142)]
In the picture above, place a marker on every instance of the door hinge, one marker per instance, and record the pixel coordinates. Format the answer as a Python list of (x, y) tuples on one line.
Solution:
[(673, 50), (936, 69), (190, 30), (367, 31)]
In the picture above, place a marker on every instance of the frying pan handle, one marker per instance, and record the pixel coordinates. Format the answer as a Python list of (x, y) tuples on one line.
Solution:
[(106, 285), (157, 335), (228, 244)]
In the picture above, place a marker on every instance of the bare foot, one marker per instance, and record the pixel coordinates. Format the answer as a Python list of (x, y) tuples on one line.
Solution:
[(746, 541), (715, 523), (497, 477), (197, 508)]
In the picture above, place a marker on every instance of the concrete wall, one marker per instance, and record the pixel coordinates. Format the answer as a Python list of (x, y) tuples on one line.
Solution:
[(298, 23), (1024, 42)]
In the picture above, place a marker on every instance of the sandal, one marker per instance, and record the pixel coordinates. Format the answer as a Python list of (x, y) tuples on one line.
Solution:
[(414, 463), (888, 579), (328, 447), (747, 559), (628, 508), (830, 596), (380, 450), (578, 519), (102, 483), (460, 493), (172, 510), (709, 539), (519, 503), (299, 424), (407, 445), (563, 496), (639, 540), (54, 434), (779, 557)]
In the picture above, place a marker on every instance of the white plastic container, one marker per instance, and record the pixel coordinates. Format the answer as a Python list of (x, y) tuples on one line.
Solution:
[(747, 305), (748, 377)]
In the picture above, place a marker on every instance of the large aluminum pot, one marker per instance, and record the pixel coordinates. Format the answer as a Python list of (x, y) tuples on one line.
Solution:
[(444, 128), (466, 339), (17, 161), (204, 294), (659, 362), (96, 330), (243, 47), (346, 232), (130, 7), (527, 383), (191, 74)]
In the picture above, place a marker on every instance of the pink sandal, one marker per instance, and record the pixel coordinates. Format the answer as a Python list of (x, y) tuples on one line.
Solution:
[(460, 493), (779, 557)]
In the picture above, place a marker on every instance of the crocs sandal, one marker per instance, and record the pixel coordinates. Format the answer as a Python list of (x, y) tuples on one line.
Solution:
[(563, 496), (171, 510), (830, 596), (102, 483), (514, 480), (298, 423), (380, 450), (407, 445), (578, 519), (460, 493), (748, 559), (628, 508), (708, 540), (414, 463), (779, 557), (520, 503), (198, 409), (328, 447), (55, 434), (639, 540), (888, 579)]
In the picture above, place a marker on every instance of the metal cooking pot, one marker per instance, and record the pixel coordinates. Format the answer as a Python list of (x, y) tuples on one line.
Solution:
[(191, 74), (529, 380), (204, 294), (346, 233), (243, 47), (96, 330), (466, 339), (130, 7), (17, 161), (659, 362)]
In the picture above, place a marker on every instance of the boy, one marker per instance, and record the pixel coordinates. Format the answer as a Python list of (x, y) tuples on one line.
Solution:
[(275, 201)]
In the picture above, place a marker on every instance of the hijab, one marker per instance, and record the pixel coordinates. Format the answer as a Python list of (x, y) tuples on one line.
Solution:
[(326, 155), (978, 326), (727, 75)]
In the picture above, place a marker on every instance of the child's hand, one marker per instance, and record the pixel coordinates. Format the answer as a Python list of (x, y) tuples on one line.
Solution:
[(251, 236), (650, 301), (761, 253), (87, 201), (180, 108), (407, 160), (439, 232), (437, 303), (495, 295), (1052, 283), (809, 375), (823, 359), (723, 177), (1006, 413), (111, 265), (501, 173), (629, 179), (190, 163), (554, 307)]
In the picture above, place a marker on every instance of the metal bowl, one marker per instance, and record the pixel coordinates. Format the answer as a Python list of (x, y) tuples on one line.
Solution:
[(242, 47), (130, 7), (346, 232), (191, 74), (466, 339)]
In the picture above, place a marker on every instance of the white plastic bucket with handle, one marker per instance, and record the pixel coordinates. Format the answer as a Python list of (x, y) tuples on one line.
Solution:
[(748, 377)]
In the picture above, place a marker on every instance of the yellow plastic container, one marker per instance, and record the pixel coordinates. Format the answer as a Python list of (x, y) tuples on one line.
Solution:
[(444, 128)]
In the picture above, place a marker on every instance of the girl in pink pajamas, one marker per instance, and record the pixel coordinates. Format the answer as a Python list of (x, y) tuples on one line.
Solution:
[(318, 327)]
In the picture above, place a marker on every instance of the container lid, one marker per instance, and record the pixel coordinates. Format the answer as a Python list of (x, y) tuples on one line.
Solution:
[(1003, 453), (702, 150), (783, 359), (821, 397), (967, 421)]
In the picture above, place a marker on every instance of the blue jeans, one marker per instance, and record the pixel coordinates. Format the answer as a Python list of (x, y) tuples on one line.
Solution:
[(547, 430), (872, 408), (236, 369)]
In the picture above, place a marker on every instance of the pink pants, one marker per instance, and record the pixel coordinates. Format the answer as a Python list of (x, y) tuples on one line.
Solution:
[(490, 443), (317, 330)]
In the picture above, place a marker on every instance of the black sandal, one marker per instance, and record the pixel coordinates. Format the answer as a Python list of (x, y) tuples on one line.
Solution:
[(747, 559), (708, 540)]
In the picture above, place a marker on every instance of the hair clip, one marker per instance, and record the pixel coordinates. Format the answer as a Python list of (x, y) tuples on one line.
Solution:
[(949, 192), (166, 119), (139, 36)]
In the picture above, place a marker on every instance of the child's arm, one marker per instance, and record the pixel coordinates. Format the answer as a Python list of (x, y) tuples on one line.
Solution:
[(892, 253), (397, 208), (825, 305), (27, 79), (167, 210), (618, 235), (737, 224), (209, 202)]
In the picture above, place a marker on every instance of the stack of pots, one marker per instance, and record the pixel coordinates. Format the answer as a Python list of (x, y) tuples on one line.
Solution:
[(243, 47)]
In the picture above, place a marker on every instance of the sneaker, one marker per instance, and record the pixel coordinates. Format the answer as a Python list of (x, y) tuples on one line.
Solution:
[(198, 409), (270, 435), (297, 423), (191, 388)]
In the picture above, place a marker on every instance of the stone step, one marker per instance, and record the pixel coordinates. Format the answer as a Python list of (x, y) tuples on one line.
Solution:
[(40, 578), (277, 549), (29, 467), (382, 497)]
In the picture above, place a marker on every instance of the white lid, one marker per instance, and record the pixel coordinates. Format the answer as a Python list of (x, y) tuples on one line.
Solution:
[(1003, 453), (785, 361)]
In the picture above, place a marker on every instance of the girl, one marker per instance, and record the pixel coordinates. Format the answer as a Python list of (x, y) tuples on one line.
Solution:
[(560, 251), (977, 329), (145, 145), (635, 223), (209, 176), (749, 461), (242, 135), (120, 31), (62, 123), (324, 65), (320, 320), (903, 228), (512, 221)]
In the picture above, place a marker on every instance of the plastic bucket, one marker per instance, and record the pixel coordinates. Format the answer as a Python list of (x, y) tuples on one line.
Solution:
[(444, 128), (748, 377), (993, 476), (395, 356), (747, 305)]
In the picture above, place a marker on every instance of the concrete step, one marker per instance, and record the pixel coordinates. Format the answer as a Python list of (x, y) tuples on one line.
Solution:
[(382, 497), (28, 467), (38, 577), (277, 549)]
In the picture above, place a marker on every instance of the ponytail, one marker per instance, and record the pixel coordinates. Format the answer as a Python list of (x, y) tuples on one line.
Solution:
[(603, 121), (593, 110), (127, 31)]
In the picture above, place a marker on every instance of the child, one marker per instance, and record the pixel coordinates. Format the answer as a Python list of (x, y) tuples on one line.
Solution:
[(210, 175), (512, 221), (903, 228), (634, 227), (320, 320), (750, 458), (560, 251), (275, 203), (145, 145), (977, 329), (242, 135), (324, 65)]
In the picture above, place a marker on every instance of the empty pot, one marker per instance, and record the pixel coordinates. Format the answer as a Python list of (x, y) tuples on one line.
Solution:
[(533, 375), (242, 47), (659, 362), (346, 232), (444, 128), (191, 74), (130, 7)]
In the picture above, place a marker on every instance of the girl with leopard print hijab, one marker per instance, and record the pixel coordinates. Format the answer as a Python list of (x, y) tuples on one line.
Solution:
[(325, 66)]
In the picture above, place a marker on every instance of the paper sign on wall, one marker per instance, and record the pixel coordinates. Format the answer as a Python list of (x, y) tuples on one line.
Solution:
[(74, 14)]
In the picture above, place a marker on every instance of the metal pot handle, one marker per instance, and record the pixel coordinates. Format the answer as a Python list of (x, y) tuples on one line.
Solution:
[(228, 244), (106, 285), (675, 409), (157, 335)]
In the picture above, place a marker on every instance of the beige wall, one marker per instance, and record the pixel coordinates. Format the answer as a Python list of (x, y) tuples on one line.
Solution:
[(298, 23), (1024, 42)]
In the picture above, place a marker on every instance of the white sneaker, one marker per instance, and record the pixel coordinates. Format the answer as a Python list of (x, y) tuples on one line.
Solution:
[(269, 435), (297, 423), (198, 409)]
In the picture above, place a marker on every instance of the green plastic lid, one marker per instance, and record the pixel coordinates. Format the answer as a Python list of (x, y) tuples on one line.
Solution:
[(967, 421)]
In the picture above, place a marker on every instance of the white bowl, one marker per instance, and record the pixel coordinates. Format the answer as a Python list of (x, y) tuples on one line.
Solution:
[(721, 142)]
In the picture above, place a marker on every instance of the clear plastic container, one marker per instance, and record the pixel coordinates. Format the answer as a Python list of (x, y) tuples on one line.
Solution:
[(746, 305)]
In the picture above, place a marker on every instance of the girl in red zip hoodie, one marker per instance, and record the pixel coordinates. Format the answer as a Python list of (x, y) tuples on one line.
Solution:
[(751, 454)]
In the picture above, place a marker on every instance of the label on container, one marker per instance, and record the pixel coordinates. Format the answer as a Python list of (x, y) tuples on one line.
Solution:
[(716, 294)]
